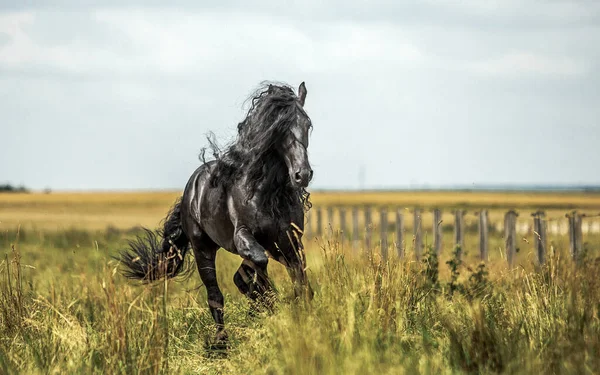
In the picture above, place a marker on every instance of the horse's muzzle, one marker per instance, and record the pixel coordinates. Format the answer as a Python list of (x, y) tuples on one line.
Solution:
[(303, 176)]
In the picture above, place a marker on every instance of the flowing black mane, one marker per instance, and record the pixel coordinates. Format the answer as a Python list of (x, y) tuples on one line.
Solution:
[(273, 112)]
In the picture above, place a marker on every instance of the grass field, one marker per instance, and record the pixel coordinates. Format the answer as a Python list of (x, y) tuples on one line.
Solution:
[(64, 308), (129, 209)]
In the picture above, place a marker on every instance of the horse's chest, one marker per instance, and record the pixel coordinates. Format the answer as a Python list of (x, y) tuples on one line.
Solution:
[(273, 230)]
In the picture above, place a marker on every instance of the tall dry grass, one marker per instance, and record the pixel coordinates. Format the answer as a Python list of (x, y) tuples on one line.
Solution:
[(65, 309)]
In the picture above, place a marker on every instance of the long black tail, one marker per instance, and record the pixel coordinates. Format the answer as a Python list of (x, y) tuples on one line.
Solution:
[(155, 255)]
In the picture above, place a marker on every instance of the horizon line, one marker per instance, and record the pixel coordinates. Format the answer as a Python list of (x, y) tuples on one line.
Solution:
[(415, 188)]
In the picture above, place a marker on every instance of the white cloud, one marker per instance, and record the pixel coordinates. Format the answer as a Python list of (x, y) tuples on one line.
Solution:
[(171, 42), (11, 23), (75, 56), (19, 47), (349, 43), (527, 63)]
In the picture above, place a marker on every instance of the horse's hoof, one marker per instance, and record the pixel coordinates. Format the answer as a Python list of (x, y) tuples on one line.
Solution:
[(219, 345), (221, 336)]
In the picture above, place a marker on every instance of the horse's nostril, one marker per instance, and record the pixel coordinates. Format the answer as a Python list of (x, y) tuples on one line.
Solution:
[(298, 176)]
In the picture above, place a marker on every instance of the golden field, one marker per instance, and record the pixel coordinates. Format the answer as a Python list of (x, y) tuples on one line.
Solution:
[(65, 308), (97, 210)]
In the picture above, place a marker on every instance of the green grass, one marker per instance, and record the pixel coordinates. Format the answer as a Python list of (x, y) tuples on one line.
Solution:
[(64, 309)]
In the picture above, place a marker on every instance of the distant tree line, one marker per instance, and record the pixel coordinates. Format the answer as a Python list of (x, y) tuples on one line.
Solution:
[(13, 189)]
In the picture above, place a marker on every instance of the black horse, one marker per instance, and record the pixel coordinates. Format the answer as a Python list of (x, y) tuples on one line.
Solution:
[(250, 201)]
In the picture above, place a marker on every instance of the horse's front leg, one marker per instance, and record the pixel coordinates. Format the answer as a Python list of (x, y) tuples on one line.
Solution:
[(293, 258), (247, 281), (251, 278)]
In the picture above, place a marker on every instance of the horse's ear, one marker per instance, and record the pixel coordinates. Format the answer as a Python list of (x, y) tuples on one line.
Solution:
[(302, 93)]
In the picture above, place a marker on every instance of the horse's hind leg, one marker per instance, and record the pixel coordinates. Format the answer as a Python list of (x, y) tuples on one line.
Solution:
[(205, 252)]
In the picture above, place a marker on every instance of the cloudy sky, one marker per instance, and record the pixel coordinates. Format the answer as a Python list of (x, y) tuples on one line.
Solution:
[(121, 96)]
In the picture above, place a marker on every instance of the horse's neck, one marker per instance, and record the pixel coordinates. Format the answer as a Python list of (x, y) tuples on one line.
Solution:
[(273, 174), (273, 184), (273, 169)]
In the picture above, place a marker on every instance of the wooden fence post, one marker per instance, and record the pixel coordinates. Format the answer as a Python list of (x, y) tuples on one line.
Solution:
[(330, 220), (355, 232), (399, 233), (575, 235), (319, 222), (417, 234), (383, 223), (437, 231), (539, 236), (307, 228), (368, 228), (459, 229), (342, 212), (510, 235), (483, 235)]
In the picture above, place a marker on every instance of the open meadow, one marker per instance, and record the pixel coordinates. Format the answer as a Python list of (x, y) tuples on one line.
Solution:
[(65, 308)]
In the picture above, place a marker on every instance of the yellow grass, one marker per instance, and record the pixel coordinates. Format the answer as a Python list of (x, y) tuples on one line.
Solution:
[(459, 198), (97, 210), (84, 210), (65, 309)]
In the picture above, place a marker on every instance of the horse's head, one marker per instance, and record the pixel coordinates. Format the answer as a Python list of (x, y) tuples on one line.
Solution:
[(295, 145), (273, 138)]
